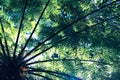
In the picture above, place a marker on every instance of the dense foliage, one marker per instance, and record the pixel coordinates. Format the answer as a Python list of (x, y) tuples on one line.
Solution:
[(60, 39)]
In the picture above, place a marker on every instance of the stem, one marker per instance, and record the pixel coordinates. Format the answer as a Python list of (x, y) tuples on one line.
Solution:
[(22, 51), (40, 75), (20, 26), (67, 37), (2, 47), (69, 25), (42, 52), (58, 76), (1, 55), (8, 52), (88, 27), (53, 72), (56, 60), (26, 78)]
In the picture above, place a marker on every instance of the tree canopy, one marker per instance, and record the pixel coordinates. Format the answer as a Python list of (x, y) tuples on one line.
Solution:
[(60, 39)]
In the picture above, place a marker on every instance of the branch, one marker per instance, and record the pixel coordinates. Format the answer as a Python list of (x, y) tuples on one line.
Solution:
[(42, 52), (76, 59), (89, 27), (22, 51), (2, 47), (1, 55), (20, 26), (26, 78), (69, 25), (53, 72), (8, 52), (67, 38), (58, 76), (45, 77)]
